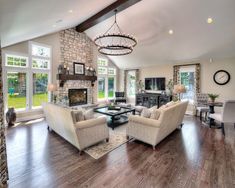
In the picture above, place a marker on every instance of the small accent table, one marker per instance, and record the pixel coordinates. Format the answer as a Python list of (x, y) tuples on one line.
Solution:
[(117, 117), (212, 111)]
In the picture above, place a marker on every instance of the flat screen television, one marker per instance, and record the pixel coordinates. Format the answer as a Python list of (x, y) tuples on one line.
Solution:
[(155, 84)]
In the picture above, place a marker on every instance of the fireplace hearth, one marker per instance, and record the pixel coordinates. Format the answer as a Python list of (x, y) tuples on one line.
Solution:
[(77, 97)]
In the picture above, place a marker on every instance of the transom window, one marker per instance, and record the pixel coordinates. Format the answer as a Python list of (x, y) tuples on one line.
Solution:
[(40, 63), (16, 61), (102, 62), (41, 51)]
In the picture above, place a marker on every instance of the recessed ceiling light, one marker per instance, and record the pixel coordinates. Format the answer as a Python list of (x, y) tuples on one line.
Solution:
[(58, 21), (70, 11), (54, 25), (170, 31), (209, 20)]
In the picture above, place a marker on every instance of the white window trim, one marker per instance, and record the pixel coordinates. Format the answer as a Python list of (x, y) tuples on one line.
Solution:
[(29, 75)]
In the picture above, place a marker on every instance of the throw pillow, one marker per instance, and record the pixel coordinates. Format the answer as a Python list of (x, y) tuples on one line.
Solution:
[(89, 114), (77, 116), (155, 114), (163, 107), (170, 104), (153, 108), (146, 113)]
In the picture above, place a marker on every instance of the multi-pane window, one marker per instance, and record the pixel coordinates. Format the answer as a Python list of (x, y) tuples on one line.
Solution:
[(106, 79), (102, 62), (41, 51), (27, 77), (102, 70), (16, 61), (40, 63)]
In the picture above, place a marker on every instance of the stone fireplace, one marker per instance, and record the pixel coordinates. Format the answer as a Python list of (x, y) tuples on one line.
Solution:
[(77, 96), (76, 47)]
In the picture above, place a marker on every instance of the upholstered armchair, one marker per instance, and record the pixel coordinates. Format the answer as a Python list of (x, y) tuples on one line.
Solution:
[(120, 97), (200, 104), (227, 115)]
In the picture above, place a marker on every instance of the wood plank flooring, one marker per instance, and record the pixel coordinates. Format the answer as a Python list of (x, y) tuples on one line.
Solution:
[(195, 156)]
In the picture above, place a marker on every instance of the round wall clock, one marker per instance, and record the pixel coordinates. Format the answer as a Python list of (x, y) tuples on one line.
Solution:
[(221, 77)]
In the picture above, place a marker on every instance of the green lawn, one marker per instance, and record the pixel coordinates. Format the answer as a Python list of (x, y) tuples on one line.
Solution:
[(20, 102), (101, 94)]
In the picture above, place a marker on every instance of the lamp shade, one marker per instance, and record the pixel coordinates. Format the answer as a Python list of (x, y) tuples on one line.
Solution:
[(179, 89), (51, 87)]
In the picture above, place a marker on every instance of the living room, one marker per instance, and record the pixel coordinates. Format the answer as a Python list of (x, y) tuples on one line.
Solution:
[(153, 107)]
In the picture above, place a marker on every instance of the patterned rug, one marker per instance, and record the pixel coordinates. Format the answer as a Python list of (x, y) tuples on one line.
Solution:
[(116, 139)]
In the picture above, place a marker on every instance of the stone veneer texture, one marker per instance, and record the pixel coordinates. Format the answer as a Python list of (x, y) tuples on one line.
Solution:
[(3, 155), (77, 47)]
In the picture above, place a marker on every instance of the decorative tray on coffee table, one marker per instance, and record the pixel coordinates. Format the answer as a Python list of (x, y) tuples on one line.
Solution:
[(114, 108)]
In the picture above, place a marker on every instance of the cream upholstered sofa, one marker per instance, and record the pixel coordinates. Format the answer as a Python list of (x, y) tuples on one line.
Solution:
[(152, 131), (81, 134)]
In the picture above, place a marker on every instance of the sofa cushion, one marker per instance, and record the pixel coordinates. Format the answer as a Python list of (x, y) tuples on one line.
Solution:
[(146, 113), (77, 115), (89, 114), (155, 114)]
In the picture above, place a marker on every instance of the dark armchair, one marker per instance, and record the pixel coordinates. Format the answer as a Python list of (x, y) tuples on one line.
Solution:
[(120, 97)]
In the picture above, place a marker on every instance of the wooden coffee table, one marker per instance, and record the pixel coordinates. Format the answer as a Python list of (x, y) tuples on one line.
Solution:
[(116, 117)]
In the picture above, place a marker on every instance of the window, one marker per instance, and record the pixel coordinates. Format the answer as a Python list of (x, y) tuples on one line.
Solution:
[(106, 79), (111, 87), (102, 62), (40, 63), (40, 82), (40, 51), (101, 88), (27, 77), (102, 70), (16, 91), (16, 61), (187, 78), (131, 83)]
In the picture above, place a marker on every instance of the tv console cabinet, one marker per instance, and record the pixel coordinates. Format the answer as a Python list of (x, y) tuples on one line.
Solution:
[(151, 99)]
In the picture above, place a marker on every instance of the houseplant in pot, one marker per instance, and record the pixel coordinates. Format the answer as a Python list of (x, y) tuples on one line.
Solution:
[(212, 97)]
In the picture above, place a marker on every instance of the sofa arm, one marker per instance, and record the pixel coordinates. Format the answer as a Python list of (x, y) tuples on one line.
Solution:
[(144, 121), (90, 123)]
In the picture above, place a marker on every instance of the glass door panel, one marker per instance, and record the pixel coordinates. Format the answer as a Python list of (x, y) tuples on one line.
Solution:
[(16, 91), (110, 87), (101, 88), (40, 94)]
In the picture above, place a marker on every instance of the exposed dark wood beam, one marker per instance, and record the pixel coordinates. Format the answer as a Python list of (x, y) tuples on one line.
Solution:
[(106, 13)]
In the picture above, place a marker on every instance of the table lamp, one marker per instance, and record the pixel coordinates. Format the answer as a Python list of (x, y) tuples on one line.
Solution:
[(52, 88), (178, 89)]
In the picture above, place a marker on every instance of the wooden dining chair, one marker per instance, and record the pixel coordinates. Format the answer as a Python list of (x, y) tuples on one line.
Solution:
[(227, 115)]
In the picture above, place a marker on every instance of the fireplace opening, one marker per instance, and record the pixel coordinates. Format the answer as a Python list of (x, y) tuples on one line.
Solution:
[(77, 97)]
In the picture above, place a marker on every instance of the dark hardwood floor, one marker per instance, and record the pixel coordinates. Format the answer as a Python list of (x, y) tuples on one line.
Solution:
[(195, 156)]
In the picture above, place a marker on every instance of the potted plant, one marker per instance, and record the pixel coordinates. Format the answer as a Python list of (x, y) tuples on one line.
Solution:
[(212, 97)]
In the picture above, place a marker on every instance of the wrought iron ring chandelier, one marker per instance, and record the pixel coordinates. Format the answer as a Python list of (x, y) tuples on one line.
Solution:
[(114, 42)]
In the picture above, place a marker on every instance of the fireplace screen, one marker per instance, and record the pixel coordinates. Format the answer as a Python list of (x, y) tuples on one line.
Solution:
[(77, 97)]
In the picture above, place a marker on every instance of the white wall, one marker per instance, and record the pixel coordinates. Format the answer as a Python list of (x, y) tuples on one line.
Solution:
[(207, 71)]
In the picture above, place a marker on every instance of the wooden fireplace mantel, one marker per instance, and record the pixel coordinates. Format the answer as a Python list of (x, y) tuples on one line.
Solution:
[(64, 77)]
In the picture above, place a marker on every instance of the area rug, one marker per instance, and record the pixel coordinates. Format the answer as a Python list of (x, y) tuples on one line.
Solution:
[(116, 139)]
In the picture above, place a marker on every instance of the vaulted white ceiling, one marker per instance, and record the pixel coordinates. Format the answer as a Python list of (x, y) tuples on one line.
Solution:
[(149, 20)]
